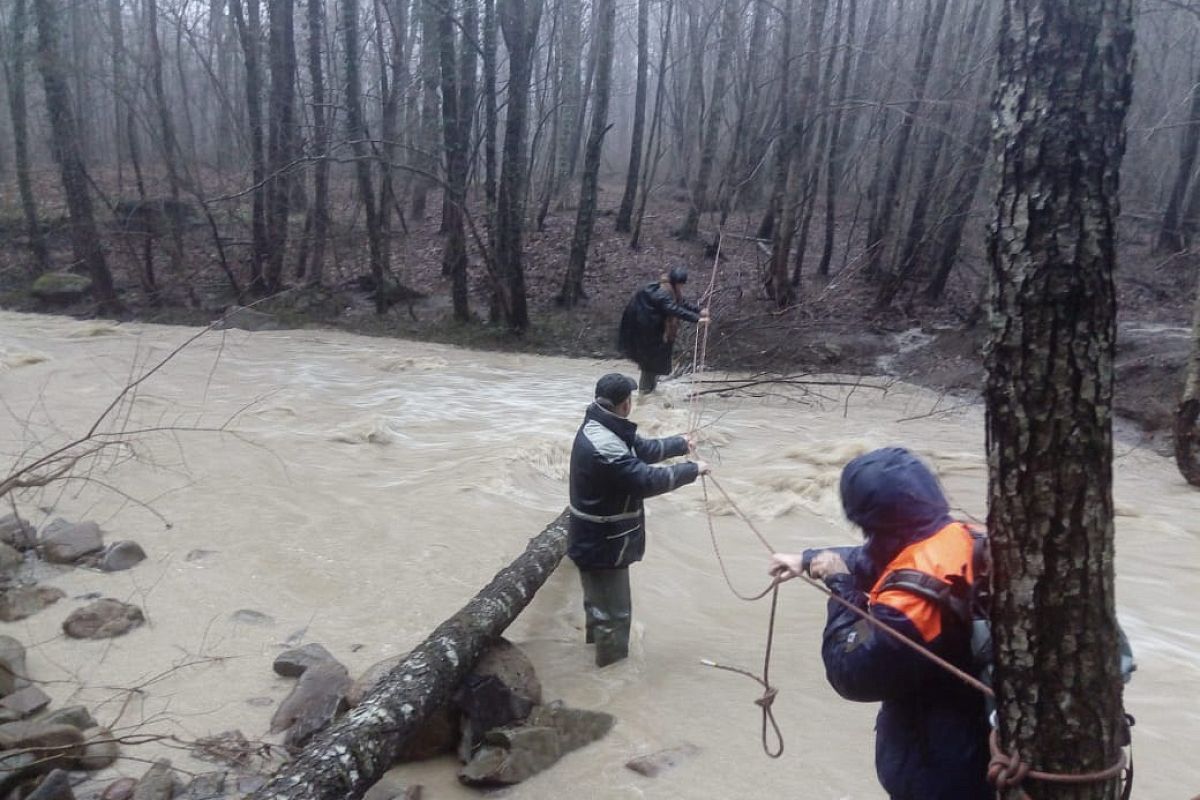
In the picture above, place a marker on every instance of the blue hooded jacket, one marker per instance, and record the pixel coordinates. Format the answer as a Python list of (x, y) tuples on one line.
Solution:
[(931, 732)]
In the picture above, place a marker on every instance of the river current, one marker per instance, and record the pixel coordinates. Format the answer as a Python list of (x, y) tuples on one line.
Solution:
[(356, 491)]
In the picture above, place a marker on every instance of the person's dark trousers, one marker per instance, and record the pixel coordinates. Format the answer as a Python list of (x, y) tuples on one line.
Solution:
[(647, 382), (607, 612)]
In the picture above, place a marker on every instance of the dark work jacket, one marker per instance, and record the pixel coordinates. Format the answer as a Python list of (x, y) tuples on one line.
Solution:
[(642, 336), (611, 474), (931, 732)]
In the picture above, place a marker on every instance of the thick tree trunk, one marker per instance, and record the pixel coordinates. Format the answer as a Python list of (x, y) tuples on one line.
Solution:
[(458, 106), (344, 760), (519, 22), (280, 133), (1065, 79), (585, 219), (64, 136), (625, 213), (321, 138), (248, 32), (357, 129), (169, 144), (14, 73), (731, 13), (570, 81)]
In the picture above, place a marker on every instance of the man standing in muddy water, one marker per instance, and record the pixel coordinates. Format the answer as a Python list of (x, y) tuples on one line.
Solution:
[(649, 324), (611, 474)]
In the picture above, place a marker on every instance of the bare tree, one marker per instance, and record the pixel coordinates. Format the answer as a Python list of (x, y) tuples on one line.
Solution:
[(639, 117), (85, 237)]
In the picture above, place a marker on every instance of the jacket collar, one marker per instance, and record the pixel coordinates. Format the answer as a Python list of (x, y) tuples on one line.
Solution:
[(625, 428)]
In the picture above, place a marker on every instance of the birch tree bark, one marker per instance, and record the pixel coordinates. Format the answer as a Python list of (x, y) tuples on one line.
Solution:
[(1065, 80)]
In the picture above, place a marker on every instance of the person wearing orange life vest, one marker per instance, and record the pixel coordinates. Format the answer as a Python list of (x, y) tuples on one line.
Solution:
[(931, 731)]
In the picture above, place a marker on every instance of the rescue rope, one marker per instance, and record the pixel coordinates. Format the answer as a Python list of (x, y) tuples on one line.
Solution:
[(1005, 771)]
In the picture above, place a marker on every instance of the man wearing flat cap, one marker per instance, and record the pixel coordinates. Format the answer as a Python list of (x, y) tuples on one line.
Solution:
[(612, 471), (650, 322)]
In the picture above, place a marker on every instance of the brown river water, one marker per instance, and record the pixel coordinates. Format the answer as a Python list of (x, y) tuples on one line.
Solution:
[(366, 488)]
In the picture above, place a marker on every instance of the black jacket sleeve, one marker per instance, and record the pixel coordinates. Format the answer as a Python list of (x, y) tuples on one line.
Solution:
[(866, 664), (654, 450), (666, 303), (642, 480)]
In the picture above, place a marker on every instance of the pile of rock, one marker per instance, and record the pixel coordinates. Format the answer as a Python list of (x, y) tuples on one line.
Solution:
[(496, 721), (69, 545)]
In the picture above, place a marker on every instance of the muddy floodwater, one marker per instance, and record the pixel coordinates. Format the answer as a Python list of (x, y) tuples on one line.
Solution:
[(365, 488)]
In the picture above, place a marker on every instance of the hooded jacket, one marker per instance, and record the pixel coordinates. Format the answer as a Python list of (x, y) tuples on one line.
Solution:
[(611, 474), (931, 731), (643, 336)]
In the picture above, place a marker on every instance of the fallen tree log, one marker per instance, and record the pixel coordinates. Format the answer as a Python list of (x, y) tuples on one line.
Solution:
[(348, 757)]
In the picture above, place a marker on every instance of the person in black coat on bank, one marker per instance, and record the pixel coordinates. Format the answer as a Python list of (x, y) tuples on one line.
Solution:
[(649, 324), (612, 471)]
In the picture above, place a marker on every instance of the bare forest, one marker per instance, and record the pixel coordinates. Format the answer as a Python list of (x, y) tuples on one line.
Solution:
[(474, 169)]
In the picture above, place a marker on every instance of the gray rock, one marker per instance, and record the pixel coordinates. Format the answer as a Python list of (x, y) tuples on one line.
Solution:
[(251, 617), (157, 784), (511, 755), (121, 555), (654, 764), (103, 619), (393, 787), (99, 751), (55, 786), (500, 690), (61, 287), (17, 533), (25, 702), (10, 557), (65, 542), (576, 727), (198, 555), (12, 665), (75, 716), (247, 319), (209, 786), (120, 789), (260, 702), (316, 699), (293, 663), (25, 601)]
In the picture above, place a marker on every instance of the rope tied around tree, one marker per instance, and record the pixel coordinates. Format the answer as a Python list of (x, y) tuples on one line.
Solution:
[(1005, 771)]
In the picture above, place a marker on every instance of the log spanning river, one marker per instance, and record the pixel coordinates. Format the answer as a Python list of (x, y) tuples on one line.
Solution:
[(365, 488)]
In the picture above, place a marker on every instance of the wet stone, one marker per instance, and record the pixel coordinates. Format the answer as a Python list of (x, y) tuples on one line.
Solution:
[(55, 786), (158, 783), (99, 750), (121, 556), (25, 601), (293, 663), (103, 619), (655, 764), (75, 716), (17, 533), (66, 542), (249, 616), (120, 789), (12, 665), (25, 702)]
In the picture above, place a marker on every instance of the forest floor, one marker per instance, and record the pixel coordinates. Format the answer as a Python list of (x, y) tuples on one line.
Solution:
[(834, 327)]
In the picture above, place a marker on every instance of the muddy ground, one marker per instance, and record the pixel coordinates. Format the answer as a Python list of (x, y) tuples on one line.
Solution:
[(835, 326)]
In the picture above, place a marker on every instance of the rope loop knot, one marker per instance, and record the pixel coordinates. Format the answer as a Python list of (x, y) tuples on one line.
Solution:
[(1005, 771)]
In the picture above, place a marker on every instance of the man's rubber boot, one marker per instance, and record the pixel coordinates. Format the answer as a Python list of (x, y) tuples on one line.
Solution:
[(607, 604), (647, 381)]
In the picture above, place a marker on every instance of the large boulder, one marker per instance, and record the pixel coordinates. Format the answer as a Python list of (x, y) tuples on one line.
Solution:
[(17, 533), (12, 666), (61, 288), (103, 619), (500, 691), (316, 699), (65, 542), (25, 601), (511, 755)]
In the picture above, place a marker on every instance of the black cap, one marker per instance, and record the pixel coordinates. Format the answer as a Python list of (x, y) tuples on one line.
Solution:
[(677, 275), (615, 388)]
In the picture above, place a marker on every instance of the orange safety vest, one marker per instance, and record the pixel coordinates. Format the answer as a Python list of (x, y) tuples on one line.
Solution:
[(944, 556)]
